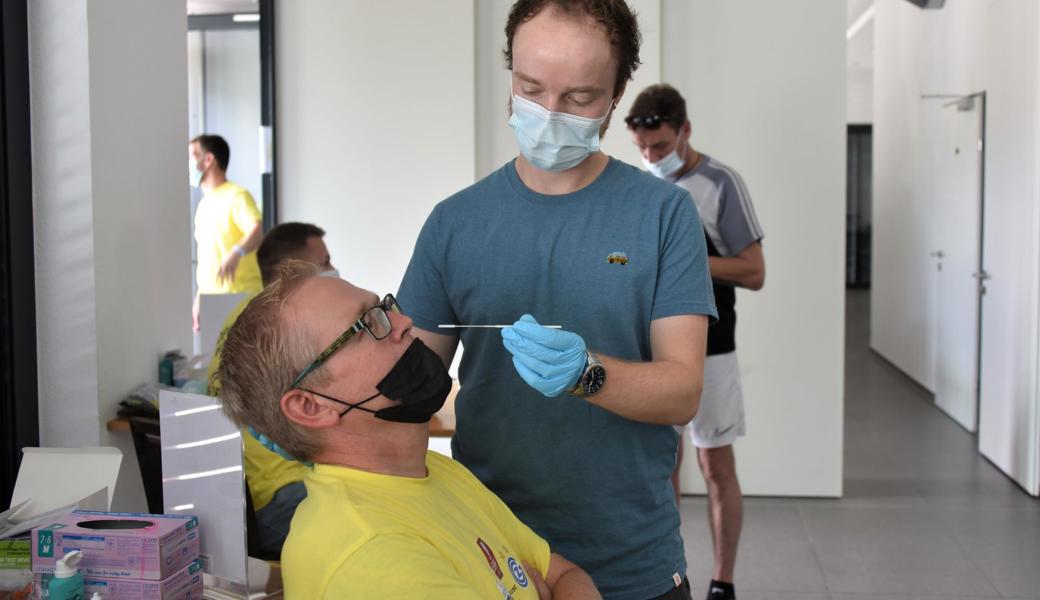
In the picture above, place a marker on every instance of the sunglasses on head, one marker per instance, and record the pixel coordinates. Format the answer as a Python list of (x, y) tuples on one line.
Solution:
[(650, 122)]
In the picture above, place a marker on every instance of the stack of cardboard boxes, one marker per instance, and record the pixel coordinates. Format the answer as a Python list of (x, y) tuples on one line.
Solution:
[(126, 556)]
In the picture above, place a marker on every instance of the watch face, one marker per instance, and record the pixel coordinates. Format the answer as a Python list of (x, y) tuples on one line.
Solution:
[(594, 379)]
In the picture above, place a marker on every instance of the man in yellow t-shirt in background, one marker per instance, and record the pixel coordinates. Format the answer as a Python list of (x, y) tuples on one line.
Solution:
[(334, 375), (275, 483), (228, 228)]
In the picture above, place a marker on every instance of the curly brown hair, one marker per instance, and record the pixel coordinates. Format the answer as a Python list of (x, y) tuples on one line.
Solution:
[(614, 16)]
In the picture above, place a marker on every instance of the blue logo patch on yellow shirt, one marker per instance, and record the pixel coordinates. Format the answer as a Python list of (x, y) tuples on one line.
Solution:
[(518, 572)]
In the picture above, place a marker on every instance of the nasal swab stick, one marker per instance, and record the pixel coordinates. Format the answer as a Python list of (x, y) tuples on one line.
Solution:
[(450, 326)]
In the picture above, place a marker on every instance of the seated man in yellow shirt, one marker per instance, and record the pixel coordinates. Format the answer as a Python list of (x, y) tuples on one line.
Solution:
[(334, 376), (227, 224), (275, 483)]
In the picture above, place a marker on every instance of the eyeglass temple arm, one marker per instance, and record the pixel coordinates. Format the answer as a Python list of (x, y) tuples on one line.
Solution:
[(335, 345)]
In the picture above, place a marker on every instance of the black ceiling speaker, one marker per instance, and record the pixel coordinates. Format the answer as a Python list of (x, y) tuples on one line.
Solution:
[(928, 3)]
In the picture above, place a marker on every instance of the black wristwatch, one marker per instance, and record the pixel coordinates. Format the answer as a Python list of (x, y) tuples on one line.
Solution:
[(592, 379)]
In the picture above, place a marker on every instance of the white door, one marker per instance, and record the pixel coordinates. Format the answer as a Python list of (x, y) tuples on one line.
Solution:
[(1009, 407), (956, 211)]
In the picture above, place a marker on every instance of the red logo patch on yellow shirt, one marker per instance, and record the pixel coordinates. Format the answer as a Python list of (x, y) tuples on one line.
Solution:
[(490, 556)]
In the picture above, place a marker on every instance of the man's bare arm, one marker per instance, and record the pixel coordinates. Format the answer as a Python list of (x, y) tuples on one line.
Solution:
[(567, 580), (251, 241), (666, 390), (747, 269)]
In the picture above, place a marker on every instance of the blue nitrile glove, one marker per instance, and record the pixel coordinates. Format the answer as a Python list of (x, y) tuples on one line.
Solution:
[(549, 360), (270, 444)]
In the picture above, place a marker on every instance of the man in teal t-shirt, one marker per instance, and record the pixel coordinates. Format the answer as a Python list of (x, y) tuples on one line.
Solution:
[(571, 427)]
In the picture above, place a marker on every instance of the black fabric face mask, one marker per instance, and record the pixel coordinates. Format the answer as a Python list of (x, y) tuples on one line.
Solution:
[(419, 381)]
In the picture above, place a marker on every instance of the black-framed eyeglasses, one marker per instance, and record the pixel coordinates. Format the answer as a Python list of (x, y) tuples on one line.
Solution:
[(647, 122), (374, 321)]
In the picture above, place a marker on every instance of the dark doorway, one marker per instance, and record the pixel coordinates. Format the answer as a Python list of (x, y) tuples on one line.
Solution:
[(858, 188)]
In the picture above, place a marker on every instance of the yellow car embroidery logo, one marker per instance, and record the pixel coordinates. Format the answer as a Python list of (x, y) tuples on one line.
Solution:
[(618, 258)]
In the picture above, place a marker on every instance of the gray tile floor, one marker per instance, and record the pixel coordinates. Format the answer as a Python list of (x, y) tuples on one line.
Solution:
[(924, 516)]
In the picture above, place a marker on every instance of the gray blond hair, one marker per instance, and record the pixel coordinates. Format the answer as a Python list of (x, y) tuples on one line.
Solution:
[(262, 353)]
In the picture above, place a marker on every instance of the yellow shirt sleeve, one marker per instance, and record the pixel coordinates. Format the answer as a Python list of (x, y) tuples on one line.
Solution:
[(397, 566), (244, 213)]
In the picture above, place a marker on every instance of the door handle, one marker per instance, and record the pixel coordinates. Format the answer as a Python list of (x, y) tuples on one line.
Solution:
[(981, 276), (937, 254)]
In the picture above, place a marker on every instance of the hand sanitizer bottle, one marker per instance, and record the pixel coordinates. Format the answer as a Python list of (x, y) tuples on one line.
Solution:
[(67, 583)]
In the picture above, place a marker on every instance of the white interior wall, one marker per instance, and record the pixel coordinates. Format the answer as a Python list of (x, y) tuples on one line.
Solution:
[(859, 106), (196, 126), (375, 124), (196, 85), (765, 88), (901, 293), (493, 136), (64, 223), (232, 100), (1036, 405), (860, 61), (965, 47), (108, 109), (1003, 59)]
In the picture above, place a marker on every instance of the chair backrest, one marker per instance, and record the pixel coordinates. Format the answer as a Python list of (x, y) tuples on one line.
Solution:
[(148, 447), (253, 532)]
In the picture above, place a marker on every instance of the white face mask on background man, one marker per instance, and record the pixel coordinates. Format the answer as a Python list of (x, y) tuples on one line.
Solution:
[(195, 175), (670, 165), (554, 141)]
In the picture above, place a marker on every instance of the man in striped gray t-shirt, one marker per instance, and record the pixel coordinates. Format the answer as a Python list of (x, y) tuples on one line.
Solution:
[(661, 129)]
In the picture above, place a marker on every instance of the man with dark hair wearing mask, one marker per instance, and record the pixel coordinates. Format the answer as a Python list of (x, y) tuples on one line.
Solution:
[(572, 427), (661, 130), (228, 228), (333, 375), (302, 241), (275, 481)]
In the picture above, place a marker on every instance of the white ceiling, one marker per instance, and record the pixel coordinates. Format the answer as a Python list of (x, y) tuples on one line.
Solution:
[(860, 53), (222, 7)]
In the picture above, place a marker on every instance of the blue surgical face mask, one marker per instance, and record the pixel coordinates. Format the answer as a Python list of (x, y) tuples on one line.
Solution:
[(553, 141), (333, 273), (194, 174), (668, 166)]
